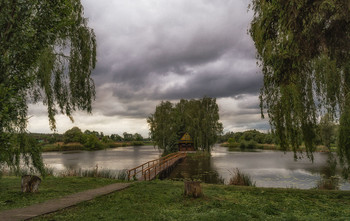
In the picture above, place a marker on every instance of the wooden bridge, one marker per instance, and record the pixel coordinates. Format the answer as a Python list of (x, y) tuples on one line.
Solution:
[(150, 169)]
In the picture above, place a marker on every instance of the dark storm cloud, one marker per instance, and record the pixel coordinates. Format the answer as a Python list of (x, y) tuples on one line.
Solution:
[(157, 49)]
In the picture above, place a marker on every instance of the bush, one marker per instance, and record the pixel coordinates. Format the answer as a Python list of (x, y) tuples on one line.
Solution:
[(72, 146), (93, 143), (73, 135), (331, 183), (248, 144), (137, 143), (243, 144), (251, 144), (240, 179)]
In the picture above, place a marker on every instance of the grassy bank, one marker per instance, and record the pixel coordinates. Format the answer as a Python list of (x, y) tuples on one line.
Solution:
[(50, 188), (164, 200)]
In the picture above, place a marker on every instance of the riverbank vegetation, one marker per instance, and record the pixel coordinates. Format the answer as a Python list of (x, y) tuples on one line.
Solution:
[(240, 179), (75, 139), (199, 118), (164, 200), (252, 139)]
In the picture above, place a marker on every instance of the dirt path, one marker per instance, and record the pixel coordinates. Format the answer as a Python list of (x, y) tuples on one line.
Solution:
[(60, 203)]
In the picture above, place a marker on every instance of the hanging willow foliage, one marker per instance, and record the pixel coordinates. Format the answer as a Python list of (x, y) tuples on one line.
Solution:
[(303, 48), (47, 54)]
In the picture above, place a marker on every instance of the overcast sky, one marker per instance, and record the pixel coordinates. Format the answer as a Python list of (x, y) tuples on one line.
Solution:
[(153, 50)]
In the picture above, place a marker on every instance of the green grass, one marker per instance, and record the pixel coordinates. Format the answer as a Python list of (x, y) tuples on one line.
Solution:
[(50, 188), (164, 200)]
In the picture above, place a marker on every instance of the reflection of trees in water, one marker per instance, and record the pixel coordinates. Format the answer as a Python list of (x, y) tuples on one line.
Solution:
[(81, 159), (197, 167)]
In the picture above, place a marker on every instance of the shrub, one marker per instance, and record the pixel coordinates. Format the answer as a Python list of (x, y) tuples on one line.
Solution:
[(93, 143), (137, 143), (240, 179), (243, 144), (251, 144), (331, 183)]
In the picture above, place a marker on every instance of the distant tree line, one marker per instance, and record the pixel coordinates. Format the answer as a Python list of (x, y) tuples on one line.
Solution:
[(199, 118), (91, 140), (248, 139), (326, 135)]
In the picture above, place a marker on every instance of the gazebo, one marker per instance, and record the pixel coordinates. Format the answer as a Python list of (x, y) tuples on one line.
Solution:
[(186, 143)]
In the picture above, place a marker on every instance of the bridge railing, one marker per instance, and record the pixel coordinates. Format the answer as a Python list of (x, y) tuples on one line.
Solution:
[(134, 172), (151, 172)]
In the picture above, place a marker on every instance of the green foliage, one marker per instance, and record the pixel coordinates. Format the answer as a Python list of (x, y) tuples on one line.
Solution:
[(304, 51), (73, 135), (47, 53), (251, 144), (127, 136), (91, 142), (326, 131), (137, 137), (116, 137), (249, 135), (199, 118)]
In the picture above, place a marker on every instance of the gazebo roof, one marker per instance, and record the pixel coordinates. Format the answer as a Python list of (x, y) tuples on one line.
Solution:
[(185, 138)]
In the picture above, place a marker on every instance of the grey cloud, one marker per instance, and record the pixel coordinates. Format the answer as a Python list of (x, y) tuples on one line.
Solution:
[(141, 41)]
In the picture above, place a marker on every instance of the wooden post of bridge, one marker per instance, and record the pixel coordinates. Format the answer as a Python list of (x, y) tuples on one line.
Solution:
[(193, 188)]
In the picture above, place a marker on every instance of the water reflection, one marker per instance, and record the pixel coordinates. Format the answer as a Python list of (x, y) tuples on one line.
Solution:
[(198, 168), (112, 159), (266, 168)]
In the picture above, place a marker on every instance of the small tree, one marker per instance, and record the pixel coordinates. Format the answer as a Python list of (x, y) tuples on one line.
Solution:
[(137, 137), (92, 142), (73, 135)]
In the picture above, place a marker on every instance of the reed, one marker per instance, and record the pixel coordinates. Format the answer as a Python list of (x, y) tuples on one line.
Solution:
[(240, 179)]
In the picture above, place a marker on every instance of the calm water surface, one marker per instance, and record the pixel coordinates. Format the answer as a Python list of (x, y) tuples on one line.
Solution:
[(111, 159), (266, 168)]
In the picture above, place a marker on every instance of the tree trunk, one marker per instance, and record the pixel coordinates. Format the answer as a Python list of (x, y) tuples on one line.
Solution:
[(193, 189), (30, 183)]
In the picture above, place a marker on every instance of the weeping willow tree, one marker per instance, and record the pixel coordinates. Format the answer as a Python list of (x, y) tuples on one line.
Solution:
[(304, 51), (199, 118), (47, 54)]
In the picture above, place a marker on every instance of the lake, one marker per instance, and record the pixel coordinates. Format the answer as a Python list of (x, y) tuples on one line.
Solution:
[(266, 168)]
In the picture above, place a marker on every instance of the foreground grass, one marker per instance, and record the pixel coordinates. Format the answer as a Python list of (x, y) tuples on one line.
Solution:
[(164, 200), (50, 188)]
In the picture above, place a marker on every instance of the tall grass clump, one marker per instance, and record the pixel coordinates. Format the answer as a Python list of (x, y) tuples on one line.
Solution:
[(240, 179), (24, 170), (96, 172), (331, 183)]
